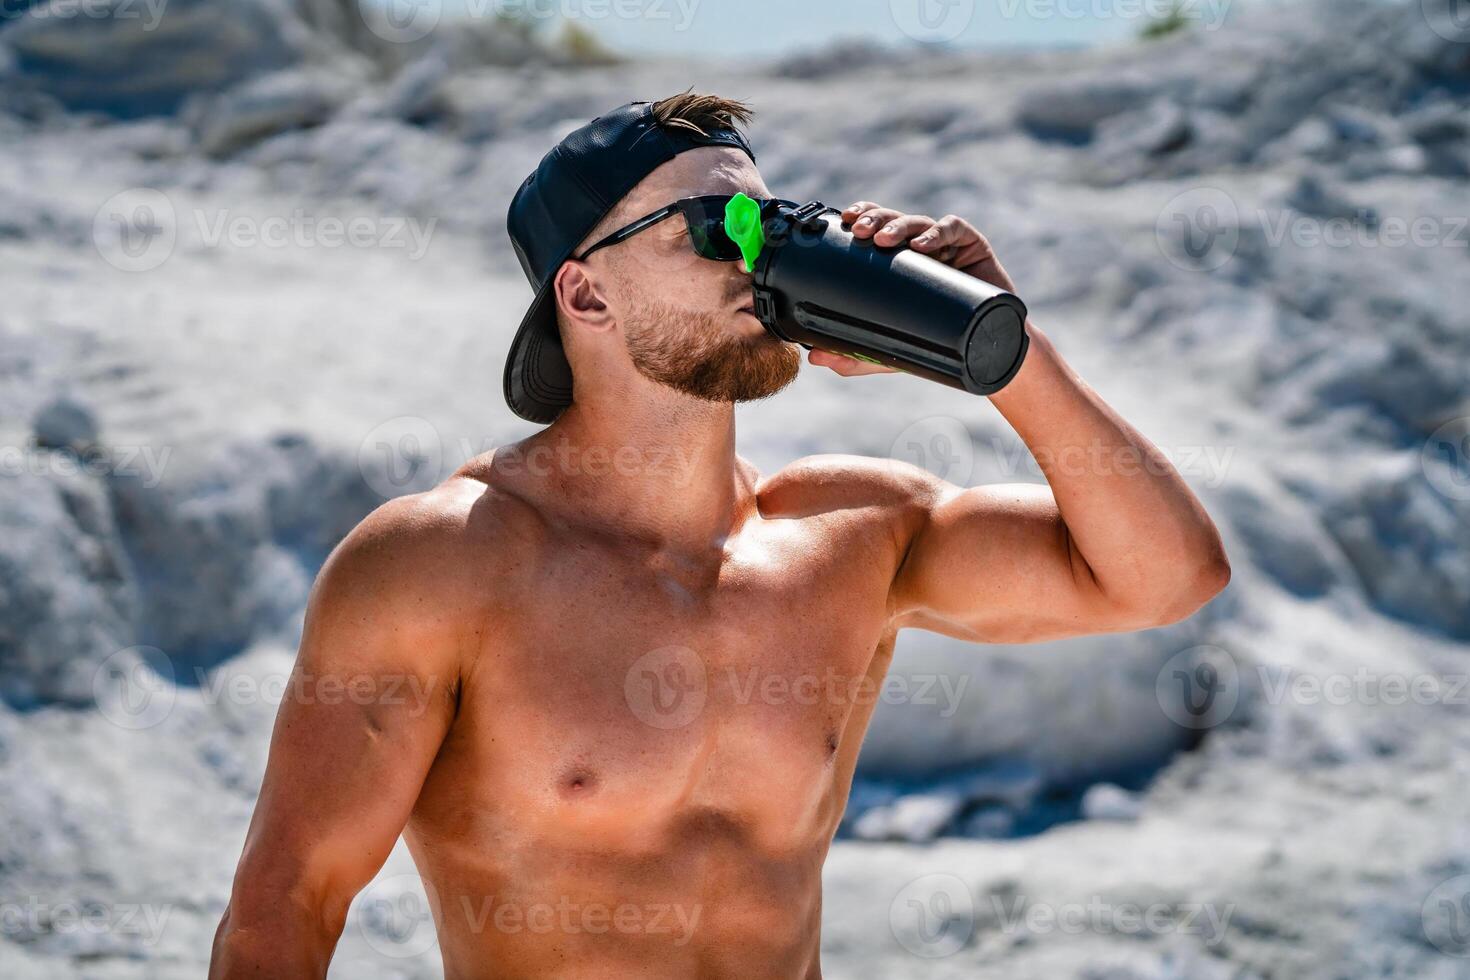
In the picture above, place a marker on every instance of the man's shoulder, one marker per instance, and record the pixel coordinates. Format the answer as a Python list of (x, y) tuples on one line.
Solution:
[(427, 551), (832, 482), (417, 525)]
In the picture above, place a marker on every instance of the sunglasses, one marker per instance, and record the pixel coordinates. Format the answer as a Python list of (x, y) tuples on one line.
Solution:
[(706, 219)]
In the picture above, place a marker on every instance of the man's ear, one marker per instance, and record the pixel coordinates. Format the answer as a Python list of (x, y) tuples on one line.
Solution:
[(580, 297)]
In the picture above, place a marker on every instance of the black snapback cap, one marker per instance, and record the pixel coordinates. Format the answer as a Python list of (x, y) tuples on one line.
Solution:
[(574, 187)]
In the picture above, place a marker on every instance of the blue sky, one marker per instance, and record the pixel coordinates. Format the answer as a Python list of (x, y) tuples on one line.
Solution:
[(745, 27)]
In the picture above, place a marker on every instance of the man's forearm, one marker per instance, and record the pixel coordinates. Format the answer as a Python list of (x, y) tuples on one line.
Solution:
[(1141, 531), (289, 946)]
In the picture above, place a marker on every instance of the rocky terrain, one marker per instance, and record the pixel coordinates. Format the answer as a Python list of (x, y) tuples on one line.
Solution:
[(255, 281)]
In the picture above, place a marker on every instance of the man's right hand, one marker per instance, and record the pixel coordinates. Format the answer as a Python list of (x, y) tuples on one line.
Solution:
[(951, 240)]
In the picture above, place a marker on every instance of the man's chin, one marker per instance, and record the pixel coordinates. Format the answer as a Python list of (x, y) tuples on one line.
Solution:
[(745, 369), (771, 365), (714, 357)]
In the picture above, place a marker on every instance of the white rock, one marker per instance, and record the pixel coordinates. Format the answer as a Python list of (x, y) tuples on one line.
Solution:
[(1105, 801)]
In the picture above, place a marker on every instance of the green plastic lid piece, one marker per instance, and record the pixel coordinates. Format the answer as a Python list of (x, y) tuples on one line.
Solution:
[(743, 225)]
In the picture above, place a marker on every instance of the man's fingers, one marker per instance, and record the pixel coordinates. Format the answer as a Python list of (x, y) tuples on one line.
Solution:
[(872, 219), (951, 239), (948, 230), (902, 227), (854, 213), (848, 367)]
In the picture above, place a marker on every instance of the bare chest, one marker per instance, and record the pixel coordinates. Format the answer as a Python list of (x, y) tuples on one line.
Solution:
[(732, 695)]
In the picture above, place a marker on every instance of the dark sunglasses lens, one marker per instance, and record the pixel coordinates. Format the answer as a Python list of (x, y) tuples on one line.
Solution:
[(711, 241), (706, 217)]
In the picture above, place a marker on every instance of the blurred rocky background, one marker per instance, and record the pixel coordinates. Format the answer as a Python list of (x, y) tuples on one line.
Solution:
[(254, 280)]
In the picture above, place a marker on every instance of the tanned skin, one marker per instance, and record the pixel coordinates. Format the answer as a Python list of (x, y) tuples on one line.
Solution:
[(598, 636)]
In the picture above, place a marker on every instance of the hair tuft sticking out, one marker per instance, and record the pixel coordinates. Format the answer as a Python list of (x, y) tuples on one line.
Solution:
[(701, 113)]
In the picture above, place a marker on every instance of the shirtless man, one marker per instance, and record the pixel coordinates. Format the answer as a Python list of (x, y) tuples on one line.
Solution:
[(648, 668)]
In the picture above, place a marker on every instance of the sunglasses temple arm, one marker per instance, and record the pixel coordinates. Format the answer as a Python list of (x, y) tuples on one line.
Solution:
[(627, 232)]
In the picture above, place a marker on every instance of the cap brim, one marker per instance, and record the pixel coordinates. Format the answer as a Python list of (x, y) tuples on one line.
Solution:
[(538, 379)]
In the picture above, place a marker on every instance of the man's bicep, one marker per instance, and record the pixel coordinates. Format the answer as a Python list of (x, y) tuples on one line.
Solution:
[(363, 716), (996, 564)]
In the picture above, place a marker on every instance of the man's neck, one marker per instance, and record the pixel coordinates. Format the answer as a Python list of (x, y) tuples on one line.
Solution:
[(661, 467)]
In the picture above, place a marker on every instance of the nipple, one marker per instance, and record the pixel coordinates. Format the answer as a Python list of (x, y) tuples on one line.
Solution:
[(578, 781)]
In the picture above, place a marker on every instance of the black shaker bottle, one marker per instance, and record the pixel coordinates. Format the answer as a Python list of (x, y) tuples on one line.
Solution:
[(819, 286)]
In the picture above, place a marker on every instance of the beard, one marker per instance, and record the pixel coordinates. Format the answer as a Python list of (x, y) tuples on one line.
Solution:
[(692, 352)]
